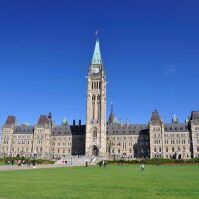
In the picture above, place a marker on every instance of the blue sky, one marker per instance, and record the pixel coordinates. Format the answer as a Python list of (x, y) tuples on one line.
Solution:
[(150, 50)]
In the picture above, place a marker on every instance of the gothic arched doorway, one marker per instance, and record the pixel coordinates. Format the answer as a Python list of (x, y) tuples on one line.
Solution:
[(95, 151)]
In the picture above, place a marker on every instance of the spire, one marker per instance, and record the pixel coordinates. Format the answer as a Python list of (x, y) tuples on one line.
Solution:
[(97, 54), (155, 118), (64, 122), (111, 119)]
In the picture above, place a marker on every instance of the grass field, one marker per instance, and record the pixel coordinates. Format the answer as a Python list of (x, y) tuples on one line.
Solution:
[(157, 182)]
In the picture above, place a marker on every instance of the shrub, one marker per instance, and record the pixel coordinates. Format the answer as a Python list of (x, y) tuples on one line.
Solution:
[(28, 160), (155, 161)]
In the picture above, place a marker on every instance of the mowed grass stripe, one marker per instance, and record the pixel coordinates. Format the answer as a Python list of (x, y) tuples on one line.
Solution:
[(157, 182)]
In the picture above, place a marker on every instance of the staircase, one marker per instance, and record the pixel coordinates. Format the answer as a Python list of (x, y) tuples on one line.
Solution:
[(79, 160)]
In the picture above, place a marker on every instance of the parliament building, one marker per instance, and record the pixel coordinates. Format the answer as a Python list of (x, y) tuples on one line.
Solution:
[(100, 136)]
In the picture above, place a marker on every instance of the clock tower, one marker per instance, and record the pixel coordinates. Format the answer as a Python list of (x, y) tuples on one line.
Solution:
[(96, 106)]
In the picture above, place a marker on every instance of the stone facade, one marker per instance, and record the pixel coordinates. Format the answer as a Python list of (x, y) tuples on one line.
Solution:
[(96, 106), (100, 137), (170, 140)]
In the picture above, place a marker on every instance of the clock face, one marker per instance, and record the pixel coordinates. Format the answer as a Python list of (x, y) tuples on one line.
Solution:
[(95, 70)]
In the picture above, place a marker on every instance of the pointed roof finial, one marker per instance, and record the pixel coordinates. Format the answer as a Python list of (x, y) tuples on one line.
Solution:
[(112, 105), (111, 119), (97, 54), (64, 122), (97, 34), (175, 118)]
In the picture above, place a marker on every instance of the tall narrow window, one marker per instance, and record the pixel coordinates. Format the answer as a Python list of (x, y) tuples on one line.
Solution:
[(98, 107), (92, 86), (93, 106), (95, 132)]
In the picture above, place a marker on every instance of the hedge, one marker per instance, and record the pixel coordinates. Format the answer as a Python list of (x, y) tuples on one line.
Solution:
[(28, 160), (156, 161)]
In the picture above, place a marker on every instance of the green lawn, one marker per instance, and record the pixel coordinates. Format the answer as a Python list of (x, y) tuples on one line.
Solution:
[(157, 182)]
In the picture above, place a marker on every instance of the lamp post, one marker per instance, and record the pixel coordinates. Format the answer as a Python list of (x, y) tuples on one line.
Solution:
[(71, 160), (34, 162)]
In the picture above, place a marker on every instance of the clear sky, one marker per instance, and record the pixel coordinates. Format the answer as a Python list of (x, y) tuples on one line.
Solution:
[(150, 50)]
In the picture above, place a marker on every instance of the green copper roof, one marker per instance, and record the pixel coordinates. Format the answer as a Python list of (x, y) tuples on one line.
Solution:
[(175, 119), (97, 54)]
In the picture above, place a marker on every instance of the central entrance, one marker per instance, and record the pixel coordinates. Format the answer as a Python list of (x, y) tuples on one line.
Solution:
[(95, 151)]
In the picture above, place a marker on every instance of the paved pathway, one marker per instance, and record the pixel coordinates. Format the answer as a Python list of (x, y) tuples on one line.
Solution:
[(15, 167)]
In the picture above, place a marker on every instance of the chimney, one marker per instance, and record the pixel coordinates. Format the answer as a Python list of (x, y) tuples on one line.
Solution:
[(80, 123), (73, 122), (50, 116)]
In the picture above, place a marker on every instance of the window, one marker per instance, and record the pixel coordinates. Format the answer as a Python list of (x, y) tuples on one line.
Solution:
[(184, 149), (93, 97), (95, 132), (98, 97)]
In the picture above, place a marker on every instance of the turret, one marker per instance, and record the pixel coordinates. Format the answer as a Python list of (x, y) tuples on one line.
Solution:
[(194, 127), (6, 138), (156, 134), (42, 135)]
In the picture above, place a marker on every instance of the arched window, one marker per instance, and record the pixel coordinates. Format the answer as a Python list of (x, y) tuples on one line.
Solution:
[(98, 97), (94, 132), (155, 149), (167, 149), (198, 149), (93, 97), (173, 149)]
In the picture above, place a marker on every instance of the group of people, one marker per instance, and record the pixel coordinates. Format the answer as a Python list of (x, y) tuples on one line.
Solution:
[(102, 163), (18, 162)]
